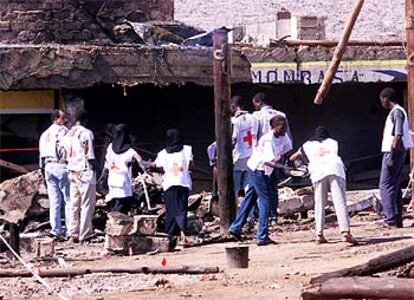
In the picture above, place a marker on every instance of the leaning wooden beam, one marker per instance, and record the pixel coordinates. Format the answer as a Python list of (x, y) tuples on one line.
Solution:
[(132, 270), (14, 167), (361, 288), (376, 265), (339, 51)]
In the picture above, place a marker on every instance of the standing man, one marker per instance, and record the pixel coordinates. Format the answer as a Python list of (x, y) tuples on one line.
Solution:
[(264, 113), (271, 147), (82, 166), (395, 142), (53, 165), (244, 139)]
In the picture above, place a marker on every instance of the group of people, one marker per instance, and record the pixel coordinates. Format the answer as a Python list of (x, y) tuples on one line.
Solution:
[(262, 146), (68, 162)]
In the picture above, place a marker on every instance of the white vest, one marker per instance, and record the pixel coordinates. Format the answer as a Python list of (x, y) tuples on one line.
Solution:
[(323, 159), (387, 137)]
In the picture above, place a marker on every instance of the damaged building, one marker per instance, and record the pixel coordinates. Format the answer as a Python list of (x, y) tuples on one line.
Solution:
[(131, 62)]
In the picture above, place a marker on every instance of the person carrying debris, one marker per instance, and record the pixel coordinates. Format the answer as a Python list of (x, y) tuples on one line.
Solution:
[(82, 166), (395, 142), (176, 160), (244, 139), (327, 173), (53, 165), (118, 162), (270, 148)]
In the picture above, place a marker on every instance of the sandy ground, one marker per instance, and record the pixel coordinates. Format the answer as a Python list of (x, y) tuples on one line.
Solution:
[(275, 272)]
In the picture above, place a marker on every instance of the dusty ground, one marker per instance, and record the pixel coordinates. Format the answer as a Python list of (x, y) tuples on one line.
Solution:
[(275, 272)]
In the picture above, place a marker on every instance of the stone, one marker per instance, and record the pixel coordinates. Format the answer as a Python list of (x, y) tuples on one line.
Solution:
[(145, 224), (44, 247), (136, 244), (119, 224)]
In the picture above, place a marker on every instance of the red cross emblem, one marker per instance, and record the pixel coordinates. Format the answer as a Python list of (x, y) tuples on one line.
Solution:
[(248, 138), (176, 169)]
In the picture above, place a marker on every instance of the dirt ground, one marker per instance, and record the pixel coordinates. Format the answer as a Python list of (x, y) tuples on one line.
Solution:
[(275, 272)]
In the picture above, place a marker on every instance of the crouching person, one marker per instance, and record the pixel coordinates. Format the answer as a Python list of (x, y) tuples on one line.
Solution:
[(260, 166), (80, 155), (176, 160), (327, 174), (118, 162)]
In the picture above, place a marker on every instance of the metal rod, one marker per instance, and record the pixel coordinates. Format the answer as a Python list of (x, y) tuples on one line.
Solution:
[(409, 28), (334, 43)]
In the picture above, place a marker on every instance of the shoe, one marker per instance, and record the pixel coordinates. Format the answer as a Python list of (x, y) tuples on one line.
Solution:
[(320, 239), (348, 238), (386, 225), (56, 238), (236, 236), (266, 242)]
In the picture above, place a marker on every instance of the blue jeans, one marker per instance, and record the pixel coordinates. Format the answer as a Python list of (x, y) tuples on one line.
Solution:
[(262, 188), (240, 180), (58, 188), (390, 187)]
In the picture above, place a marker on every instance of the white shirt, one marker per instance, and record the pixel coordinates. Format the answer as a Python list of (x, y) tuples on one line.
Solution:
[(269, 149), (323, 159), (120, 173), (388, 136), (78, 144), (263, 116), (176, 167), (50, 142), (245, 127)]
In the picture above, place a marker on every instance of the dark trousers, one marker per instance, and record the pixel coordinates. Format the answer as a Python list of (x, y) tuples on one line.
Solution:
[(176, 199), (122, 205), (390, 187)]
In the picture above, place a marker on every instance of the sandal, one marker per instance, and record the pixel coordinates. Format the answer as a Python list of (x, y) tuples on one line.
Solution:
[(320, 239), (347, 237)]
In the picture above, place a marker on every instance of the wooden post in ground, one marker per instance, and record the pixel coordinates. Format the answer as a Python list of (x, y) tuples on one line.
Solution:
[(339, 52), (14, 239), (409, 29), (222, 92)]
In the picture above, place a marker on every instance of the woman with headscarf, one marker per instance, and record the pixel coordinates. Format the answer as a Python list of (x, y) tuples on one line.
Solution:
[(175, 160), (118, 161), (327, 173)]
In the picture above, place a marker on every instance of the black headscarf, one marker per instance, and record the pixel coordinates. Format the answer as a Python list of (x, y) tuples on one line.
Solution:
[(321, 133), (121, 141), (173, 142)]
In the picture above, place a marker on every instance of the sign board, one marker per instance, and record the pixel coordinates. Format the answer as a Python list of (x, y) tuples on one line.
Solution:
[(314, 72)]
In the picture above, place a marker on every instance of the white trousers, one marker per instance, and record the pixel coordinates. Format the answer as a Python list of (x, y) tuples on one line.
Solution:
[(337, 186)]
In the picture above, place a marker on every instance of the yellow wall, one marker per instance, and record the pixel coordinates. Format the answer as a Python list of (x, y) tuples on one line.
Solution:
[(26, 101)]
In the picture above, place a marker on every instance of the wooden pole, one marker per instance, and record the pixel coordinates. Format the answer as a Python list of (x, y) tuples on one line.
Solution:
[(221, 73), (339, 51), (334, 43), (120, 269), (380, 264), (13, 167), (409, 27), (14, 239), (361, 288)]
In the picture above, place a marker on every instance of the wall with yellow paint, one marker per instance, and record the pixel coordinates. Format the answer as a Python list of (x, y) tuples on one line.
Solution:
[(24, 102)]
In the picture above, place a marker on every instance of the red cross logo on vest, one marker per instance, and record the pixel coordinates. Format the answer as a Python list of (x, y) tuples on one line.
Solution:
[(176, 169), (248, 138), (113, 166)]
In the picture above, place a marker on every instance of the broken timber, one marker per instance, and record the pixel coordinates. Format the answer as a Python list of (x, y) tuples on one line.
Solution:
[(373, 266), (361, 288), (13, 167), (132, 270)]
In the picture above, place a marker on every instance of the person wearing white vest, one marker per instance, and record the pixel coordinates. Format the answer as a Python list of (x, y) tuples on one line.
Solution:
[(80, 156), (396, 141), (327, 173), (264, 113), (53, 164), (118, 162), (244, 138), (175, 160)]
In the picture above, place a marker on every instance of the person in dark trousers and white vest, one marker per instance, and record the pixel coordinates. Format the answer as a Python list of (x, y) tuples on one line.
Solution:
[(176, 160), (395, 142)]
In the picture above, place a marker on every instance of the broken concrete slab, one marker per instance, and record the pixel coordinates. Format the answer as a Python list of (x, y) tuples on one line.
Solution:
[(135, 244)]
